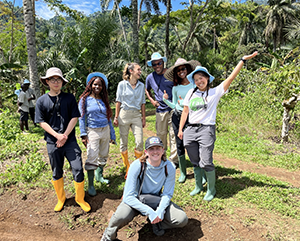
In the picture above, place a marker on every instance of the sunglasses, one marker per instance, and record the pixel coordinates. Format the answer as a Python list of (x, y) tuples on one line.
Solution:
[(158, 64), (181, 69)]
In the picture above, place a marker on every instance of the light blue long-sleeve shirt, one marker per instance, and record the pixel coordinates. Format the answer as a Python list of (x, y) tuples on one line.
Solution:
[(94, 116), (155, 179), (131, 99), (179, 90)]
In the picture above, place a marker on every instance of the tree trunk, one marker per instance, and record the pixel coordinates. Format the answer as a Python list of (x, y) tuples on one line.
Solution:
[(122, 26), (12, 33), (288, 105), (135, 30), (193, 24), (31, 48), (167, 41)]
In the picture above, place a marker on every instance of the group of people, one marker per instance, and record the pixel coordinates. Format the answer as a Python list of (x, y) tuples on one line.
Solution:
[(185, 110)]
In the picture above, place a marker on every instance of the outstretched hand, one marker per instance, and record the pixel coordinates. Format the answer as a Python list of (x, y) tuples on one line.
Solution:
[(247, 57)]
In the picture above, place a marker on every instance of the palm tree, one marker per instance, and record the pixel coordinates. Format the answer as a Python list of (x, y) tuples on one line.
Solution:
[(194, 21), (281, 13), (293, 30), (167, 38), (104, 4), (31, 48)]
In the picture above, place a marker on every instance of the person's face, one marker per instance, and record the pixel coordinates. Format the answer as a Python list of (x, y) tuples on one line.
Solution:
[(181, 71), (55, 83), (155, 153), (158, 66), (97, 87), (201, 81), (136, 72), (25, 87)]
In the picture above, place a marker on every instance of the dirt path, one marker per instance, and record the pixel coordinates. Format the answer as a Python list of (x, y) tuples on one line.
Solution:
[(278, 173)]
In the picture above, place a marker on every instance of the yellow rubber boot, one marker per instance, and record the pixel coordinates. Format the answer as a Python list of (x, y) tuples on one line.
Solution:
[(137, 153), (79, 197), (124, 155), (60, 193)]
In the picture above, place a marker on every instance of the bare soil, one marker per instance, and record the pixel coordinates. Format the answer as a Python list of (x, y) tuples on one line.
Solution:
[(31, 217)]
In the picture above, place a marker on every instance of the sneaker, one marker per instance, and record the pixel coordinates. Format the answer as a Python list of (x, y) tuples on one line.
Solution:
[(25, 132), (157, 230)]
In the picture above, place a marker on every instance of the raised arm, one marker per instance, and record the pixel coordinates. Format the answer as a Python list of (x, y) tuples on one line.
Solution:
[(236, 70)]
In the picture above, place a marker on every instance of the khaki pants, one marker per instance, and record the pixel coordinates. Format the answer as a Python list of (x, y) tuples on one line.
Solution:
[(98, 147), (130, 119), (163, 126)]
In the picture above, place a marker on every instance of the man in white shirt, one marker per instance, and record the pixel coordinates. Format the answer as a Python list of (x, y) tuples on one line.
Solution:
[(23, 108)]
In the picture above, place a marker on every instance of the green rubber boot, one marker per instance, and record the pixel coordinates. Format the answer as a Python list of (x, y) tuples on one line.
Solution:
[(99, 175), (203, 179), (198, 173), (182, 167), (91, 189), (211, 181)]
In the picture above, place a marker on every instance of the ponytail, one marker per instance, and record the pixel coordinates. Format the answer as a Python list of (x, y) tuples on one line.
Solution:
[(195, 89)]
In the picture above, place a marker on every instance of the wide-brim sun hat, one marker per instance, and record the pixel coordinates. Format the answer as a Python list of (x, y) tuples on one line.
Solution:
[(26, 81), (53, 71), (190, 77), (97, 74), (169, 74), (153, 141), (156, 56)]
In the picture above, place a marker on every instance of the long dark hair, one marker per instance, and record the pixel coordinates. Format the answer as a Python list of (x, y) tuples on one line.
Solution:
[(207, 86), (103, 94), (176, 79)]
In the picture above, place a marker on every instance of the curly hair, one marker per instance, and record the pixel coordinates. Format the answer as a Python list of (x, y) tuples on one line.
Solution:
[(176, 78), (126, 72), (103, 94)]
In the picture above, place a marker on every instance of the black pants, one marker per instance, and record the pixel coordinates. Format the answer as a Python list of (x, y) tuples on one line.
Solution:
[(31, 113), (72, 152), (175, 123)]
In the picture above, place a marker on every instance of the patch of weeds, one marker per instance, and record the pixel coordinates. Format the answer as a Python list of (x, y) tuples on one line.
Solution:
[(67, 219), (130, 232), (25, 171)]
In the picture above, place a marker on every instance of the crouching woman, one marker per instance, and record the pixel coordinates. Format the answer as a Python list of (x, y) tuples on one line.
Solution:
[(150, 179)]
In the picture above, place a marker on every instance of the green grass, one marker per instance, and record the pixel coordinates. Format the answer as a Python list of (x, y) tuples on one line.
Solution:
[(252, 149)]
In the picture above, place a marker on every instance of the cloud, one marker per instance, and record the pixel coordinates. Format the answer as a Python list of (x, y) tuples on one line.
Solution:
[(43, 11), (86, 7)]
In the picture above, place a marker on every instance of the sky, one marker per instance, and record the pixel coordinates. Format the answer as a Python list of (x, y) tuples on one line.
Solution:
[(87, 7)]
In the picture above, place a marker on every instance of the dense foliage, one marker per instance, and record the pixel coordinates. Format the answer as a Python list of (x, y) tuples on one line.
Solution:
[(217, 34)]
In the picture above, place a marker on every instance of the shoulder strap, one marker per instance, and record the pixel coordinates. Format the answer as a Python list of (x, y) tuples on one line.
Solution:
[(158, 84), (143, 168)]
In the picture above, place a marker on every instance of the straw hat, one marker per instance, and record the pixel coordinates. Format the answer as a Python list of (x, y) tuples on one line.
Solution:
[(190, 77), (53, 72), (169, 74)]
